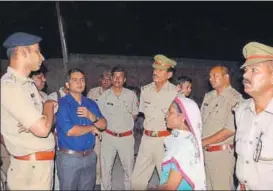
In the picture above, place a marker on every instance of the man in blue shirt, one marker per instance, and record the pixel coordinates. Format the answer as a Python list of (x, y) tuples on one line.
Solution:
[(78, 121)]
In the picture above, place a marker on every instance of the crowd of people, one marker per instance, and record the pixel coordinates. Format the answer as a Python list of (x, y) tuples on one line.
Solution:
[(69, 141)]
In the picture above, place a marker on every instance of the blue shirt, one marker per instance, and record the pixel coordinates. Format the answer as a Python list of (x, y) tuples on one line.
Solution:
[(67, 118)]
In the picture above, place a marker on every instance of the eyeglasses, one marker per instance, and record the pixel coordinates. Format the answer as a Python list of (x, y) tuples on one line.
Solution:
[(258, 150)]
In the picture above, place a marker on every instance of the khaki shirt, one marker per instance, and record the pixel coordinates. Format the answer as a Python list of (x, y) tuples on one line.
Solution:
[(155, 105), (255, 175), (21, 103), (95, 93), (216, 111), (119, 111)]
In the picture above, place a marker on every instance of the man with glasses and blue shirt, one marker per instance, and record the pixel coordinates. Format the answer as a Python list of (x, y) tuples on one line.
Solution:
[(254, 120), (78, 121)]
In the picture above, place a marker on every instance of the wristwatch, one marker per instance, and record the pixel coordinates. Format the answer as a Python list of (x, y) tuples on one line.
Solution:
[(96, 120)]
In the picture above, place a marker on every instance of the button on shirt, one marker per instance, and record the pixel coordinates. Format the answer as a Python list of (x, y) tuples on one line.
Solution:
[(216, 111), (119, 110), (67, 118), (256, 175), (155, 105)]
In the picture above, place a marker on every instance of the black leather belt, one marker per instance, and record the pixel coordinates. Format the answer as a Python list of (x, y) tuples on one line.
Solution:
[(77, 153)]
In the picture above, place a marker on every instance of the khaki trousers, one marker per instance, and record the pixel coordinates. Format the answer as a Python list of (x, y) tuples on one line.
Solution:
[(97, 149), (150, 155), (110, 146), (30, 175), (219, 167)]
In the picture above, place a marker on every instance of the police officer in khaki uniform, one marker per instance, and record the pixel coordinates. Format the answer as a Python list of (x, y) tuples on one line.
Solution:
[(25, 121), (218, 130), (155, 100), (94, 94), (119, 107), (105, 84), (254, 120)]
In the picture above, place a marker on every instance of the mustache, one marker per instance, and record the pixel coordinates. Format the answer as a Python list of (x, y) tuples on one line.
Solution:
[(246, 81), (155, 75)]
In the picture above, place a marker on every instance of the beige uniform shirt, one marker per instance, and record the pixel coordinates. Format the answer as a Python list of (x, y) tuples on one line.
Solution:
[(54, 95), (216, 111), (95, 93), (155, 105), (21, 103), (255, 175), (119, 111)]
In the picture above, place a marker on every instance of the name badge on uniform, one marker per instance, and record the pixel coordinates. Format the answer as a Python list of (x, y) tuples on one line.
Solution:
[(108, 103), (147, 102)]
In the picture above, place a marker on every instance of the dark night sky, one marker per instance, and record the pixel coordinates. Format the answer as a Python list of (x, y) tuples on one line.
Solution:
[(201, 30)]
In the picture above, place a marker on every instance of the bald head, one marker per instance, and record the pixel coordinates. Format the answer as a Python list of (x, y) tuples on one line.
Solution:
[(219, 77)]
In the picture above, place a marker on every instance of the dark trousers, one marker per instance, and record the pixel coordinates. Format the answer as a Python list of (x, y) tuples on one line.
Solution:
[(76, 172)]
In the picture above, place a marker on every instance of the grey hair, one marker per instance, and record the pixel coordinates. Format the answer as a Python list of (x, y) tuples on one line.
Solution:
[(10, 52)]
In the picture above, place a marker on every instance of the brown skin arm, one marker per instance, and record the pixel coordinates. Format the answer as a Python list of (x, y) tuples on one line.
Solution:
[(79, 130), (101, 124), (174, 180), (217, 137)]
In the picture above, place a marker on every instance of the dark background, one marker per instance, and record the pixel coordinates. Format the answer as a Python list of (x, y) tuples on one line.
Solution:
[(199, 30)]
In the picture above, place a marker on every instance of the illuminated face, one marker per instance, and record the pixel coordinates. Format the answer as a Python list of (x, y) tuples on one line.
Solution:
[(257, 79), (174, 118), (217, 78), (76, 83), (185, 88), (39, 81), (34, 57), (106, 81), (161, 75), (118, 79)]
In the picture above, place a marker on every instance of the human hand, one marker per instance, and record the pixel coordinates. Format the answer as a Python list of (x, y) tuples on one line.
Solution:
[(84, 112), (96, 132), (22, 128)]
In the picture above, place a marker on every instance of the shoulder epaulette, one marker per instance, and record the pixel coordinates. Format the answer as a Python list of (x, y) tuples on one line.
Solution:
[(8, 79)]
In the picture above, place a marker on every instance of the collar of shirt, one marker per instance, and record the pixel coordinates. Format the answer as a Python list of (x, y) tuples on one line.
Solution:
[(62, 93), (166, 86), (120, 95), (19, 76), (251, 106), (72, 100), (225, 91)]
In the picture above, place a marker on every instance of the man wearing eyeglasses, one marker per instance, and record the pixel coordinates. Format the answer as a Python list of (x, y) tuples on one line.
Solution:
[(254, 119)]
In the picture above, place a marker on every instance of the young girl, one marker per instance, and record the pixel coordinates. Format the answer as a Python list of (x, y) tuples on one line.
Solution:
[(183, 163)]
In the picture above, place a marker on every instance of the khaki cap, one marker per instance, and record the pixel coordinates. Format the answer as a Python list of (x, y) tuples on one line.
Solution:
[(163, 62), (255, 52)]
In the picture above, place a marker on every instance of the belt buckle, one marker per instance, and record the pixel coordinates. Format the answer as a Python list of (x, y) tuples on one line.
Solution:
[(225, 147), (118, 135), (154, 133), (84, 153)]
